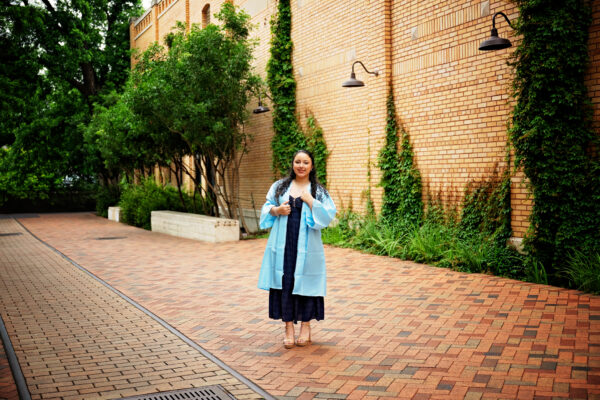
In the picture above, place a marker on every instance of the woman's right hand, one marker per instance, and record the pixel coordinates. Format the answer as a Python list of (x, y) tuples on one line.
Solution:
[(284, 209)]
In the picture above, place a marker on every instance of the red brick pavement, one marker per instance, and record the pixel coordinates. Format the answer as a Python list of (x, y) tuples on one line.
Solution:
[(8, 389), (77, 339), (393, 329)]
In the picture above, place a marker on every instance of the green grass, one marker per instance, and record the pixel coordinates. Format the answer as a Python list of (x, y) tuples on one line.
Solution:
[(429, 243), (583, 271), (262, 234), (466, 256), (438, 241), (535, 272), (444, 243)]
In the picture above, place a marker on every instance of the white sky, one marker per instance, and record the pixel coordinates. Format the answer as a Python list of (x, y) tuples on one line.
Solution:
[(146, 4)]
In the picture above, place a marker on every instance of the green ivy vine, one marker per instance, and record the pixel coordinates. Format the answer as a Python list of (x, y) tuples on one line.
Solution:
[(288, 137), (486, 208), (551, 131), (315, 143), (401, 180)]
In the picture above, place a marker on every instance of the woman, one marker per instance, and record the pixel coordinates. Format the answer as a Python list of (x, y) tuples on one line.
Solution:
[(293, 267)]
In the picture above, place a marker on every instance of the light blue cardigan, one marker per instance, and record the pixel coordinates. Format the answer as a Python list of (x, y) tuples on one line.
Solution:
[(310, 276)]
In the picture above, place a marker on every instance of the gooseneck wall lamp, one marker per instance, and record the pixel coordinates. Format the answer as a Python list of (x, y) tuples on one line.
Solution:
[(353, 82), (260, 109), (494, 42)]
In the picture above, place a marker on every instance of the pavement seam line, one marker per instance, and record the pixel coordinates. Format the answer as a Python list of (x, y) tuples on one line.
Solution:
[(162, 322), (13, 361)]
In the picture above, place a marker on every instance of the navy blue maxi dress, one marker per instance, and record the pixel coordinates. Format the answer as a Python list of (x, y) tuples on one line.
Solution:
[(282, 303)]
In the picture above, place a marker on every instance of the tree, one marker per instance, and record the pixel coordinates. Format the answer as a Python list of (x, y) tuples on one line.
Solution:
[(196, 92), (82, 43), (19, 72), (58, 56), (116, 138), (47, 152)]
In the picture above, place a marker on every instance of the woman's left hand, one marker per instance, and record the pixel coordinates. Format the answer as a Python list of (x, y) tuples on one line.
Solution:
[(307, 198)]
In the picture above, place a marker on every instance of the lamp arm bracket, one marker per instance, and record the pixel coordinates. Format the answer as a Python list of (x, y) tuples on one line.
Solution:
[(505, 17), (261, 95), (376, 73)]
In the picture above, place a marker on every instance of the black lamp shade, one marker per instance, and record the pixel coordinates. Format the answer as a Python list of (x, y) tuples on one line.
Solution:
[(261, 109), (494, 42), (353, 82)]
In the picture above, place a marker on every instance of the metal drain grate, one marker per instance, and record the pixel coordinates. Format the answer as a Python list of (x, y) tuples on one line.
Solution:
[(215, 392), (111, 237), (11, 234)]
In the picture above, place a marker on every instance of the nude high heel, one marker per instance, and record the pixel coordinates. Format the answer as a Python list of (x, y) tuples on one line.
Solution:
[(289, 343), (304, 342)]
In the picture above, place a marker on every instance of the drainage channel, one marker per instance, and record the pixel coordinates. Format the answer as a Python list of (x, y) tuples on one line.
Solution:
[(213, 392), (13, 361), (171, 329)]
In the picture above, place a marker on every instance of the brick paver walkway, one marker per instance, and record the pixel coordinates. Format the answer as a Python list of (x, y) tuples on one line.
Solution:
[(8, 389), (393, 329), (77, 339)]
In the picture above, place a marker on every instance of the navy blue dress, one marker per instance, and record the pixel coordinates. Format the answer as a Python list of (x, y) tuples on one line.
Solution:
[(282, 303)]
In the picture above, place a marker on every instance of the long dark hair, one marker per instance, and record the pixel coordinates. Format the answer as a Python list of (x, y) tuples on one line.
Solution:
[(316, 189)]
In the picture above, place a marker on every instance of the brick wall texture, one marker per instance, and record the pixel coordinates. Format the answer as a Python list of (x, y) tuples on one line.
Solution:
[(453, 100)]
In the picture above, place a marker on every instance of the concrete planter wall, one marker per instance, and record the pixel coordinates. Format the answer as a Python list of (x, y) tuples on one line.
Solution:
[(195, 226), (114, 214)]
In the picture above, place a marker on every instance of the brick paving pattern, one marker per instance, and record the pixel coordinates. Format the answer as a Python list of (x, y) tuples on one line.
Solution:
[(76, 339), (393, 329), (8, 389)]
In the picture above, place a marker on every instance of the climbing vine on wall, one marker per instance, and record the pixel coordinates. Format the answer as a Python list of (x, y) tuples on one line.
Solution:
[(287, 136), (551, 131), (486, 208), (316, 145), (400, 180)]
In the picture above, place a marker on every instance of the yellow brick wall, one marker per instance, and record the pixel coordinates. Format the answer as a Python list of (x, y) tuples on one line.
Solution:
[(196, 8), (171, 12), (453, 99), (255, 174), (323, 57), (143, 32)]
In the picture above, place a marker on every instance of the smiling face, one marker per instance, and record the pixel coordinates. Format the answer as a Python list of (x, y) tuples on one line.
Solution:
[(302, 165)]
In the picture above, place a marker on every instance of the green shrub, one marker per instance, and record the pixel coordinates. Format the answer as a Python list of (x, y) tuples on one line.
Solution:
[(138, 201), (107, 196), (583, 271), (261, 234), (342, 233), (505, 261), (482, 254), (366, 230), (333, 235), (388, 240), (465, 256), (429, 243), (535, 271)]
